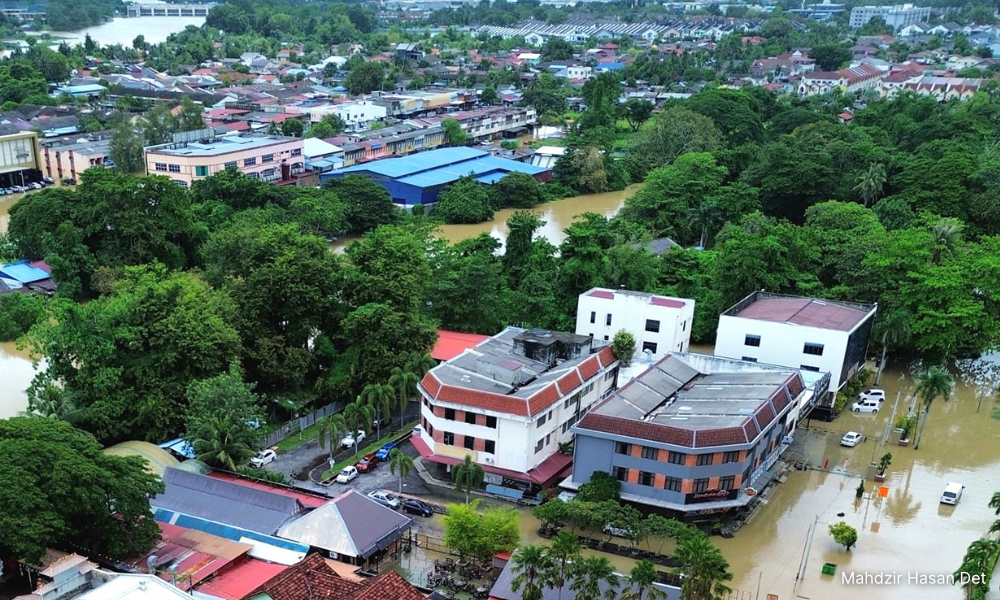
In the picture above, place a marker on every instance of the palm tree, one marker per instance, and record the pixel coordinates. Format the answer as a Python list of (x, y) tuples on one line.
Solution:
[(564, 550), (358, 415), (381, 397), (639, 583), (402, 382), (419, 363), (895, 331), (530, 563), (705, 216), (995, 504), (870, 183), (947, 233), (589, 574), (219, 446), (54, 402), (332, 428), (704, 569), (403, 463), (978, 559), (934, 382), (468, 476)]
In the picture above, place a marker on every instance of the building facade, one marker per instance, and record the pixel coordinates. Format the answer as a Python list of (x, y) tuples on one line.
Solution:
[(68, 157), (20, 158), (659, 324), (803, 333), (510, 401), (852, 80), (897, 16), (693, 433), (268, 157)]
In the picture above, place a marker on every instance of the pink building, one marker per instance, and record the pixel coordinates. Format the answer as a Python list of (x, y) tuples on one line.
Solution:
[(65, 158), (268, 157)]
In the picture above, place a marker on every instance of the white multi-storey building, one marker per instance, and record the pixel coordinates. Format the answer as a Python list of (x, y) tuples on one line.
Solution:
[(803, 333), (508, 403), (659, 324), (897, 16)]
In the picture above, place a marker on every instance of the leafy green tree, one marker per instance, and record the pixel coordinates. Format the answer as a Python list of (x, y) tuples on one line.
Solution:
[(870, 183), (601, 487), (639, 583), (319, 212), (218, 442), (236, 191), (465, 201), (224, 419), (529, 568), (556, 48), (637, 111), (844, 534), (401, 464), (454, 135), (703, 567), (292, 128), (830, 56), (466, 291), (190, 117), (980, 557), (467, 476), (480, 534), (322, 129), (126, 148), (332, 429), (546, 95), (738, 114), (18, 313), (369, 204), (624, 347), (158, 125), (365, 78), (229, 18), (589, 574), (35, 216), (49, 502), (390, 266), (489, 95), (519, 190), (933, 383), (380, 338)]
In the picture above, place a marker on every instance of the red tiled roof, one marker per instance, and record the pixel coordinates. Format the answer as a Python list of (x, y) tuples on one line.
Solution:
[(388, 586), (720, 437), (602, 294), (544, 474), (542, 399), (239, 580), (589, 367), (452, 343), (237, 126), (638, 429), (569, 381), (310, 579), (607, 357)]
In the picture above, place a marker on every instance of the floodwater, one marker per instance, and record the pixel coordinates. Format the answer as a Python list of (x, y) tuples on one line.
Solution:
[(5, 203), (122, 31), (16, 372), (558, 215)]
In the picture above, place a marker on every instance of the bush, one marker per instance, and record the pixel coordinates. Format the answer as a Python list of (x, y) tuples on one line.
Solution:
[(601, 487), (18, 312), (465, 201), (844, 534), (262, 475)]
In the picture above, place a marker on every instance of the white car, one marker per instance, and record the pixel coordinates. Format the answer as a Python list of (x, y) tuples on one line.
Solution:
[(872, 394), (850, 439), (868, 406), (349, 474), (264, 457), (385, 499), (353, 438)]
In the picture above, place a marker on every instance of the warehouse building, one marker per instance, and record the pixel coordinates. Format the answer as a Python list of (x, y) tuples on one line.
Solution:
[(419, 178)]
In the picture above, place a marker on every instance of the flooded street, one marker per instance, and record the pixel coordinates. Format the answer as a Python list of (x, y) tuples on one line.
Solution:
[(122, 31), (5, 203)]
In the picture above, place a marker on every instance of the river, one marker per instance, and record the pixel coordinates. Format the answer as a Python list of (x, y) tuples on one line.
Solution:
[(122, 31)]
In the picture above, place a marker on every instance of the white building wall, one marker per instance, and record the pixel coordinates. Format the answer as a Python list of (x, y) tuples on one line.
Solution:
[(630, 312), (782, 344)]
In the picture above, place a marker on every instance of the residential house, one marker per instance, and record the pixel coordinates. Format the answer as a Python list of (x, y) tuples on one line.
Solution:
[(941, 89), (66, 157), (322, 156), (317, 579), (197, 155), (851, 80), (659, 324)]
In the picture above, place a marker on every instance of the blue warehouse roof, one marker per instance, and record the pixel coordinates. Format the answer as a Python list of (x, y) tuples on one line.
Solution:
[(416, 163), (443, 166)]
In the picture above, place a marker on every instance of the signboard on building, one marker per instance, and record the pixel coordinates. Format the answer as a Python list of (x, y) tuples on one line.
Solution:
[(710, 496)]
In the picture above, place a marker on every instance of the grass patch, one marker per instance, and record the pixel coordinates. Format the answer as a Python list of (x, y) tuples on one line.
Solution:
[(338, 467), (297, 439)]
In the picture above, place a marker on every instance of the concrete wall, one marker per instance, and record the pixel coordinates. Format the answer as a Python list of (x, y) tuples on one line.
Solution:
[(630, 312), (19, 151)]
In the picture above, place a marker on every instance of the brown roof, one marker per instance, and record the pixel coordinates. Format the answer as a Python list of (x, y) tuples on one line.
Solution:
[(388, 586), (311, 579), (804, 311)]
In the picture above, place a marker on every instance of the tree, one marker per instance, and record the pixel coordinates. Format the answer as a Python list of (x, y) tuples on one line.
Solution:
[(218, 443), (529, 569), (934, 382), (705, 216), (870, 183), (830, 56), (465, 201), (637, 111), (58, 488), (466, 291), (332, 429), (190, 117), (895, 331), (703, 567), (624, 347), (381, 397), (489, 95), (947, 234), (401, 464), (126, 148), (158, 125), (403, 382), (292, 128), (467, 476), (369, 204), (365, 78), (556, 48), (590, 574), (995, 505), (419, 363), (980, 557), (519, 190), (322, 129), (545, 95), (454, 135), (18, 313), (224, 419), (561, 555), (358, 416), (639, 583), (480, 534), (737, 113), (844, 534), (602, 487)]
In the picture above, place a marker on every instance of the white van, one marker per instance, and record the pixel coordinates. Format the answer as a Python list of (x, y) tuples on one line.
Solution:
[(868, 406), (952, 493)]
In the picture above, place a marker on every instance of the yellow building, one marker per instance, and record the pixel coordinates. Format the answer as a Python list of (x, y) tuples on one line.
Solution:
[(20, 158)]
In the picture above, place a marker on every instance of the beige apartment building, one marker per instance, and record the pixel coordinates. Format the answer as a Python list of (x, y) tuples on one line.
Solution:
[(267, 157)]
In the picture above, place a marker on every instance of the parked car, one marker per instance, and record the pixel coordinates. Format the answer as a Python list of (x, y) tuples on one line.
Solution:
[(952, 493), (383, 452), (353, 438), (48, 179), (385, 499), (872, 394), (264, 457), (417, 507), (348, 475), (868, 406), (850, 439), (367, 463)]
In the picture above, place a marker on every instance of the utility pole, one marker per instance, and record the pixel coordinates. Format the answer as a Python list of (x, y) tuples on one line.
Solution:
[(805, 550), (892, 420)]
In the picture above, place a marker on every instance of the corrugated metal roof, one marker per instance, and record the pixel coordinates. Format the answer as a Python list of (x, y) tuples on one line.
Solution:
[(417, 163)]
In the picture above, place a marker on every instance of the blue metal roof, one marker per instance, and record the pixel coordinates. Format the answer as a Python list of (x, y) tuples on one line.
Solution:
[(417, 163), (23, 272), (479, 166), (224, 531), (490, 178)]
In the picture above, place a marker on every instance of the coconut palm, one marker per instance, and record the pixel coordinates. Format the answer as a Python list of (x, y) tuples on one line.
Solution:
[(870, 183), (995, 504), (332, 429), (219, 446), (419, 363), (639, 583), (403, 382), (704, 568), (468, 476), (400, 463), (588, 575), (565, 549), (705, 217), (934, 382), (359, 415), (979, 558), (947, 234), (53, 402), (382, 398), (895, 330), (530, 564)]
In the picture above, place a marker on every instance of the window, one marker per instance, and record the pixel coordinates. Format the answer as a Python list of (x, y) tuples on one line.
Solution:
[(230, 165), (623, 448), (650, 453), (605, 338), (268, 173), (542, 419), (808, 368), (701, 485), (491, 447), (607, 320), (249, 162), (470, 418), (620, 473), (727, 482), (610, 374), (673, 484), (705, 459), (646, 478), (676, 458), (174, 168), (491, 422), (731, 457), (449, 413), (470, 442), (296, 152), (593, 316), (652, 326), (267, 158), (540, 445), (651, 346), (814, 349), (160, 166), (181, 183), (201, 171), (752, 340), (749, 359), (449, 439), (684, 325)]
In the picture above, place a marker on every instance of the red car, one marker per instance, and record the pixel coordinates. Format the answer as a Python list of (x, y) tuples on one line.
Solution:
[(367, 463)]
